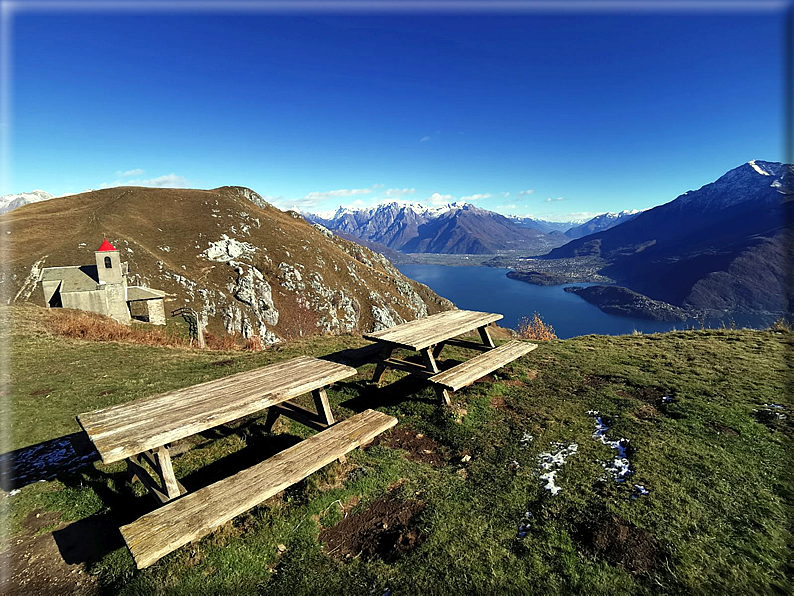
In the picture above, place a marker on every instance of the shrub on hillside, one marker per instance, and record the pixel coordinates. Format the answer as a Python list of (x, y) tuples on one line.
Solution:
[(535, 328)]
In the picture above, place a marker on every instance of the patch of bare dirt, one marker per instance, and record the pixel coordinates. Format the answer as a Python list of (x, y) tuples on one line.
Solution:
[(228, 362), (386, 529), (41, 392), (498, 402), (646, 412), (650, 395), (418, 447), (36, 564), (601, 380), (485, 379), (620, 543)]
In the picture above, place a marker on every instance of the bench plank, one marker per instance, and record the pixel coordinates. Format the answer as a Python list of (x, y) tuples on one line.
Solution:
[(194, 515), (466, 373), (429, 331), (121, 431)]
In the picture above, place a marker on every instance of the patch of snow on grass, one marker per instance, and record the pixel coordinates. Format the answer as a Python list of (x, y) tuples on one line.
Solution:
[(619, 467), (523, 525), (44, 461), (775, 411), (525, 440), (552, 462)]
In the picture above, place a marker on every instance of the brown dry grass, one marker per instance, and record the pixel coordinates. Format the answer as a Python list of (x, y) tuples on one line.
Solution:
[(536, 329), (90, 326), (299, 320), (94, 327)]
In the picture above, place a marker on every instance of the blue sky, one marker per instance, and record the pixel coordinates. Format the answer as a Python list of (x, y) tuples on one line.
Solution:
[(555, 115)]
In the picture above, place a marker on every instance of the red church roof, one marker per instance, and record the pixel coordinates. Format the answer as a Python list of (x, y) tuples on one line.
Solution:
[(106, 246)]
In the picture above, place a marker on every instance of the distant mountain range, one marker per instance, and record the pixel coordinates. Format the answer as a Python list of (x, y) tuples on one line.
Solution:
[(725, 246), (542, 225), (11, 202), (600, 223), (456, 228)]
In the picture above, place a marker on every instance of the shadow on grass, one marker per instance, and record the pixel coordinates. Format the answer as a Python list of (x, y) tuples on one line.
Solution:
[(355, 357), (88, 540), (388, 395), (259, 447)]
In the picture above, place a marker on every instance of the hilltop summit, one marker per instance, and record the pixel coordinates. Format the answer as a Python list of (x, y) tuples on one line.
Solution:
[(244, 265)]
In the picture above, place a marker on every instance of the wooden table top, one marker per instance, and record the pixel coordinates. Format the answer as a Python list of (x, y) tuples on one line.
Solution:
[(124, 430), (429, 331)]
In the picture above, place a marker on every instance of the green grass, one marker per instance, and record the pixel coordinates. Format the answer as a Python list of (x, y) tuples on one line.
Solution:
[(718, 473)]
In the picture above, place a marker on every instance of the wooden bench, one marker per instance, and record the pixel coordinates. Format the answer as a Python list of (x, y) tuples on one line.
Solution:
[(466, 373), (143, 430), (190, 517)]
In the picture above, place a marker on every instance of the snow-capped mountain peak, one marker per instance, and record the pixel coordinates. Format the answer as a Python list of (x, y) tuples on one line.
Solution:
[(759, 167), (14, 201)]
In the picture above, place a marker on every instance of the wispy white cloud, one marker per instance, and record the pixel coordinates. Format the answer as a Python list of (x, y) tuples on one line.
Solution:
[(318, 196), (550, 200), (510, 206), (398, 192), (128, 173), (505, 194), (439, 199), (524, 193), (167, 181), (424, 139), (579, 216), (476, 197)]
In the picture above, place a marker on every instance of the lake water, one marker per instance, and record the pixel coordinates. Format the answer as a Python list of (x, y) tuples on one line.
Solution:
[(489, 289)]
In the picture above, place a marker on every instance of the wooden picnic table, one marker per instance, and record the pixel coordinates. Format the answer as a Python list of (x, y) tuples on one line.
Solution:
[(429, 335), (142, 431)]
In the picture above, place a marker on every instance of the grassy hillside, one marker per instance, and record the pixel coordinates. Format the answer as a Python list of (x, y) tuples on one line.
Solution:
[(454, 500)]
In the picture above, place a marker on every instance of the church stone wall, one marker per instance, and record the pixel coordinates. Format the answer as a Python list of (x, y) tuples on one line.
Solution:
[(93, 300), (156, 311), (49, 288), (117, 302)]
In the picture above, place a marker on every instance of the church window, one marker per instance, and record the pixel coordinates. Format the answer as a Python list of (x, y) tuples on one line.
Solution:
[(108, 264)]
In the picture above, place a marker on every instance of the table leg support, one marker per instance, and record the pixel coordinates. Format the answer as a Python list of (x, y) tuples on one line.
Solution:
[(430, 362), (444, 396), (485, 336), (272, 415), (159, 460), (324, 411), (380, 368)]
